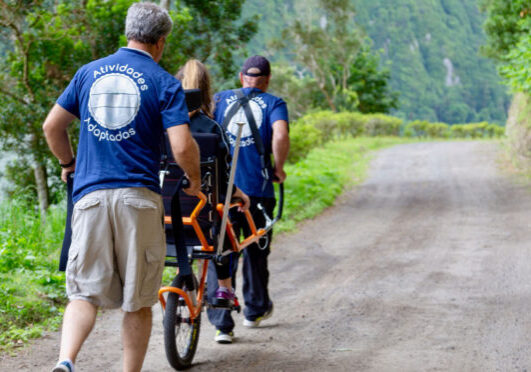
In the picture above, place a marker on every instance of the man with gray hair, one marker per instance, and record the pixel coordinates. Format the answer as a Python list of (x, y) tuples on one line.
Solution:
[(124, 102)]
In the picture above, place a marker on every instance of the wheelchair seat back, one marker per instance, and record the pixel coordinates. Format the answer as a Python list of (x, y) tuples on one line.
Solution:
[(208, 146)]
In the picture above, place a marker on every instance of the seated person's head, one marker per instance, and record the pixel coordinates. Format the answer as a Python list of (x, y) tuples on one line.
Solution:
[(194, 75)]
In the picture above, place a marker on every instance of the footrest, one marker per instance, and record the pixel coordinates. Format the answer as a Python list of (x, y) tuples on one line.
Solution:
[(235, 307)]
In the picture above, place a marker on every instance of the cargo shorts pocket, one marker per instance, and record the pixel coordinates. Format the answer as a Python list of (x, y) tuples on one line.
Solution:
[(141, 204), (87, 203), (154, 266), (84, 210)]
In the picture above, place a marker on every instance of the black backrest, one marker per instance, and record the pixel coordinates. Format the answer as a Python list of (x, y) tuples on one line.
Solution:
[(208, 144)]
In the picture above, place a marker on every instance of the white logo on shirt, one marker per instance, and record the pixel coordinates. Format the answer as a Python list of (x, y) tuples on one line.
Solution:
[(247, 135), (114, 100)]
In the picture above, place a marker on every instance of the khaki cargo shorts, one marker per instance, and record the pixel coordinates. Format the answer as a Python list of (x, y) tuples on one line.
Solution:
[(118, 248)]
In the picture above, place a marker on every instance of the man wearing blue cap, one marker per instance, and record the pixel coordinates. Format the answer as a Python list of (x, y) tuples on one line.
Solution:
[(266, 132)]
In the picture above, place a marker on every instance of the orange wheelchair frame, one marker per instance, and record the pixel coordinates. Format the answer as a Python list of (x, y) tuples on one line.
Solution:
[(181, 306), (254, 237)]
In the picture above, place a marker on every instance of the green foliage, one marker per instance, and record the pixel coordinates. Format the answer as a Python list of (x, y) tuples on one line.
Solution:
[(298, 89), (415, 37), (317, 128), (508, 26), (303, 138), (516, 68), (476, 130), (424, 129), (433, 50), (327, 49), (320, 127), (212, 31), (382, 125), (31, 288), (339, 71), (51, 40), (371, 83), (507, 21)]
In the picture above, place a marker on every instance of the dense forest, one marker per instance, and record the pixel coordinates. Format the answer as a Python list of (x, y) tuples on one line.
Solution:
[(432, 48)]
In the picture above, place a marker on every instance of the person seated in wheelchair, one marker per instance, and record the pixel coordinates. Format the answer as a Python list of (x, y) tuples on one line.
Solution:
[(195, 80)]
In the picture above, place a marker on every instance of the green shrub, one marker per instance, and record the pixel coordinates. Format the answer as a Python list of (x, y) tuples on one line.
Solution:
[(477, 130), (31, 287), (382, 125), (495, 131), (324, 121), (417, 128), (350, 124), (320, 127), (438, 130), (458, 131), (303, 138)]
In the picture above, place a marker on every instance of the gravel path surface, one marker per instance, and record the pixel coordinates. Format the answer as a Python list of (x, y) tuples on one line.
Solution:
[(424, 267)]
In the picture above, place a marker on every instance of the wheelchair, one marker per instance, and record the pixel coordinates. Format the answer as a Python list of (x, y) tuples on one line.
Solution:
[(193, 232)]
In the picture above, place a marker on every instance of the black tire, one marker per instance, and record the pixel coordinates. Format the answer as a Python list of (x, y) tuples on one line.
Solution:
[(180, 335)]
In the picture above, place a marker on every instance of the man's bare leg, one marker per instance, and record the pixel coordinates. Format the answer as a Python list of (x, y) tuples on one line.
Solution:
[(136, 329), (78, 321)]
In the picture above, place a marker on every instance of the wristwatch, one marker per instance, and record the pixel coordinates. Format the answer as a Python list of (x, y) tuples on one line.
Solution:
[(69, 164)]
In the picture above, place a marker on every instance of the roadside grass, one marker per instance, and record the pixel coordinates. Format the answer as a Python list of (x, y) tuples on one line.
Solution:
[(32, 291), (32, 294)]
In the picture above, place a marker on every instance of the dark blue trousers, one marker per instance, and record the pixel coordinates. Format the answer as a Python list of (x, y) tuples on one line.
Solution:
[(255, 271)]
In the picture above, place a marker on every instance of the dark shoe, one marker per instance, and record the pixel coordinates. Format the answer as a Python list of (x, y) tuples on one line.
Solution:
[(224, 298)]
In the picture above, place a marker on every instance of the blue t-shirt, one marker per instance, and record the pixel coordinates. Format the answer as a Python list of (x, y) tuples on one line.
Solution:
[(124, 102), (266, 110)]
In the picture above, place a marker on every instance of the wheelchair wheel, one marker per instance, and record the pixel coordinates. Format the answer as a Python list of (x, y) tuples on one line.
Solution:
[(181, 335)]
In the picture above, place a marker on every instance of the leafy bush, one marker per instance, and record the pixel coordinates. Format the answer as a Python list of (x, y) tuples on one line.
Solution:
[(31, 288), (438, 130), (382, 125), (324, 121), (477, 130), (320, 127), (424, 129), (350, 124), (303, 138), (494, 131)]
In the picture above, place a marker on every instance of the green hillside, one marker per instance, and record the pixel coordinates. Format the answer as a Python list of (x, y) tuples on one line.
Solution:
[(431, 46)]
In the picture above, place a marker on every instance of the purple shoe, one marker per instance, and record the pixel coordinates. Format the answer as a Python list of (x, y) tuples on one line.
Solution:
[(224, 298)]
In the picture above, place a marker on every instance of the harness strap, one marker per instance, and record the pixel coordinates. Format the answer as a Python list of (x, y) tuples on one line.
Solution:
[(243, 102), (178, 232)]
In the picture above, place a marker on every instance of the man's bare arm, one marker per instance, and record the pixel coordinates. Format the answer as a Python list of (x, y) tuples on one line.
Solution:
[(280, 148), (186, 154), (55, 130)]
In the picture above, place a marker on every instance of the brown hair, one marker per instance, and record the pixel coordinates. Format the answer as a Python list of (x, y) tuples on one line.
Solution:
[(194, 75)]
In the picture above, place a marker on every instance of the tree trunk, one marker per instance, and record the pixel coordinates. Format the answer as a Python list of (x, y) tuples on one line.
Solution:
[(165, 4), (41, 180)]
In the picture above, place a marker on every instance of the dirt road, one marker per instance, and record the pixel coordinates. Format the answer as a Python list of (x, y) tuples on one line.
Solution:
[(424, 267)]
